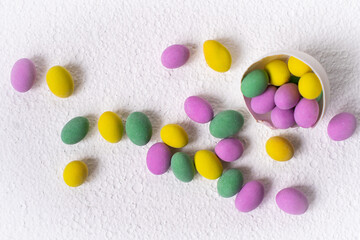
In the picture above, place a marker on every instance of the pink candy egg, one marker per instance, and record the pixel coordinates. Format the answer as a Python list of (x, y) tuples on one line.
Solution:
[(292, 201), (23, 75), (282, 119), (250, 196), (341, 126), (229, 149), (198, 109), (306, 113), (287, 96), (158, 158), (175, 56), (265, 102)]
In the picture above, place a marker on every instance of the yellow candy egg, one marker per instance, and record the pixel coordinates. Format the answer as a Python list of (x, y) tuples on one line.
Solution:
[(310, 86), (217, 56), (110, 127), (278, 72), (174, 136), (75, 173), (208, 164), (60, 81), (297, 67), (279, 149)]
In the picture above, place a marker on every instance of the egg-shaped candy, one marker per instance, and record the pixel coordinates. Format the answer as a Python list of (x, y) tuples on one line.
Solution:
[(282, 119), (341, 126), (265, 102), (175, 56), (174, 136), (287, 96), (198, 109), (254, 83), (158, 158), (60, 82), (226, 123), (23, 75), (279, 149), (110, 127), (306, 113), (297, 67), (75, 130), (229, 149), (183, 167), (230, 183), (217, 56), (208, 164), (138, 128), (292, 201), (310, 86), (250, 196), (278, 72), (75, 173)]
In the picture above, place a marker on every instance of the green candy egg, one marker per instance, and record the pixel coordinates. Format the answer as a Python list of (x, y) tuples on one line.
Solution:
[(230, 183), (183, 167), (75, 130), (138, 128), (254, 83), (226, 123), (294, 79), (319, 97)]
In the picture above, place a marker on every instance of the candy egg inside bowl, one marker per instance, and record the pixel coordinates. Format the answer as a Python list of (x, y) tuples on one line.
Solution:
[(284, 56)]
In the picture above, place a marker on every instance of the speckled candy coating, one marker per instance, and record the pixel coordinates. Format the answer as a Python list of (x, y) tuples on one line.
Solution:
[(23, 75), (158, 158), (198, 109), (175, 56), (229, 149), (292, 201), (282, 119), (265, 102), (250, 196), (287, 96), (306, 113), (341, 126)]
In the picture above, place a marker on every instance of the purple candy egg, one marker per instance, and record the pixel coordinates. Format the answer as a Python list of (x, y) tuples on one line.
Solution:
[(282, 119), (158, 158), (341, 126), (306, 113), (23, 75), (229, 149), (265, 102), (292, 201), (175, 56), (287, 96), (198, 109), (250, 196)]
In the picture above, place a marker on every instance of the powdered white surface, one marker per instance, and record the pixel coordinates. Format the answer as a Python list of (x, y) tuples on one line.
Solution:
[(113, 50)]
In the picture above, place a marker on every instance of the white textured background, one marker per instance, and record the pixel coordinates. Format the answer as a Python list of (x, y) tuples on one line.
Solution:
[(113, 50)]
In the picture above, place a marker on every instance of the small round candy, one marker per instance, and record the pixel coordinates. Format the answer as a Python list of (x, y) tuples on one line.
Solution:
[(310, 86), (229, 149), (75, 173), (282, 119), (23, 75), (158, 158), (75, 130), (60, 81), (230, 183), (208, 164), (265, 102), (306, 113), (110, 127), (279, 149), (217, 56), (341, 126), (278, 72), (250, 196), (226, 123), (198, 109), (183, 167), (292, 201), (138, 128), (175, 56), (287, 96), (254, 83), (297, 67), (174, 136)]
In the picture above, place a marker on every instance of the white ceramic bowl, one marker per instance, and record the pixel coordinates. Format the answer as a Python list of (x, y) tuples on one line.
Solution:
[(284, 55)]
